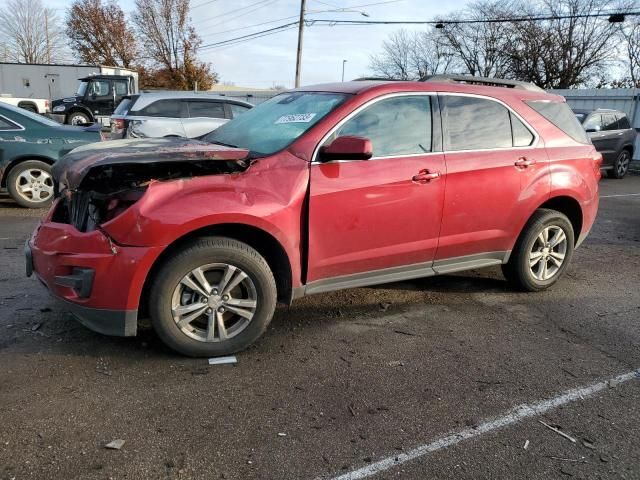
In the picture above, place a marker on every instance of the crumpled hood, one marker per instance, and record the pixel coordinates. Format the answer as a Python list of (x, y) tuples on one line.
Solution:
[(73, 167)]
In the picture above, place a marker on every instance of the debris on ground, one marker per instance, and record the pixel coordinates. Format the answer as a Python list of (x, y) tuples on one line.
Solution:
[(526, 445), (402, 332), (223, 360), (384, 306), (36, 326), (588, 444), (396, 363), (282, 434), (559, 432), (115, 444)]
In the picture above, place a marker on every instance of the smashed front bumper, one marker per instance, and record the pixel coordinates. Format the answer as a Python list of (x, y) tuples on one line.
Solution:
[(99, 282)]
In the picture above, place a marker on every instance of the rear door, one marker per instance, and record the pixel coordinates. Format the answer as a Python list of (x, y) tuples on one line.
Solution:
[(204, 117), (493, 161), (610, 138), (370, 215)]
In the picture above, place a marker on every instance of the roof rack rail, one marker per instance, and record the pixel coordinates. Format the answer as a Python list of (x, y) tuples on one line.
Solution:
[(377, 79), (490, 82)]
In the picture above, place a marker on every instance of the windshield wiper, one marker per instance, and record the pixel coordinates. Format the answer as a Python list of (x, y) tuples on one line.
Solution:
[(224, 144)]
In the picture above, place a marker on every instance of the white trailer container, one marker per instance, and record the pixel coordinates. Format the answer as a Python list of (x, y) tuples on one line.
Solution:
[(49, 81)]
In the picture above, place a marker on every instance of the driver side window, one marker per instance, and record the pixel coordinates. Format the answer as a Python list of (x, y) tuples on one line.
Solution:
[(396, 126), (100, 88)]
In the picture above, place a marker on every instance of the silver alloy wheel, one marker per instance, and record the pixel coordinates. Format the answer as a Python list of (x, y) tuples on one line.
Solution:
[(623, 163), (214, 302), (548, 252), (77, 119), (35, 185)]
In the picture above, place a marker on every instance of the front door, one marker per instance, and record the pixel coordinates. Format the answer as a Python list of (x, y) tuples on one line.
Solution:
[(493, 168), (370, 215), (99, 97)]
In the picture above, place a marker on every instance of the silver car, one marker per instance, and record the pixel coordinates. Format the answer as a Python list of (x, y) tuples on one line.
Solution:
[(172, 114)]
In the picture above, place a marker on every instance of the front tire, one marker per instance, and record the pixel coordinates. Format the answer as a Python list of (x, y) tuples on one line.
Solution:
[(30, 184), (78, 118), (214, 297), (621, 165), (542, 253)]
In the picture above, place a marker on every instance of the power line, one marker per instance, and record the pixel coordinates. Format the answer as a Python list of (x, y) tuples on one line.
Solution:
[(250, 35), (231, 44), (204, 3), (259, 2)]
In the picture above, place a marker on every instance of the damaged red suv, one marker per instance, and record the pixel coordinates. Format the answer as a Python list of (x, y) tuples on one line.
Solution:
[(321, 188)]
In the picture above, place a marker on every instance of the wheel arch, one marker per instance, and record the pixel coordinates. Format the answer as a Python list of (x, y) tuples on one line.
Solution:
[(20, 159), (568, 206), (24, 104), (262, 241)]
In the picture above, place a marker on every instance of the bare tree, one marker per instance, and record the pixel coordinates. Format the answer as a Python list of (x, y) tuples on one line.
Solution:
[(31, 32), (480, 47), (99, 33), (630, 34), (411, 56), (568, 50), (171, 44)]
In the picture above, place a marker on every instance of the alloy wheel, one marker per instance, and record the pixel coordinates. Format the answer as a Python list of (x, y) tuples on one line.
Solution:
[(623, 163), (35, 185), (548, 253), (214, 302)]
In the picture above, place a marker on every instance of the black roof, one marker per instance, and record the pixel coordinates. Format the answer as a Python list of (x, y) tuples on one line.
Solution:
[(103, 75)]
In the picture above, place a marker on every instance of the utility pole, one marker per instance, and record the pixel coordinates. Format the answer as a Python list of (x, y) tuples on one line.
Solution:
[(299, 52)]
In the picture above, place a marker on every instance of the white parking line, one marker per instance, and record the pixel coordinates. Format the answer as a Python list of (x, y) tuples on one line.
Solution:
[(620, 195), (513, 416)]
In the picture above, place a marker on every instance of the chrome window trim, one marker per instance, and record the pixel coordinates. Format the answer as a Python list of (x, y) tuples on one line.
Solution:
[(534, 144), (21, 129)]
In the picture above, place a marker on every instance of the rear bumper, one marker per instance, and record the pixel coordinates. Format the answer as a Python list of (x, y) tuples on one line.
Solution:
[(100, 283)]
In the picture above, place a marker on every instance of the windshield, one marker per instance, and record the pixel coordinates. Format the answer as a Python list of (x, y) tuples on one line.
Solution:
[(276, 123), (82, 89)]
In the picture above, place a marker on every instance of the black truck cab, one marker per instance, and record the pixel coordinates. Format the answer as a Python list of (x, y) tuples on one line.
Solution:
[(97, 96)]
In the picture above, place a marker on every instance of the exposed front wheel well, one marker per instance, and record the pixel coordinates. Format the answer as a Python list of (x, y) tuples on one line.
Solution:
[(264, 243), (629, 148), (570, 207)]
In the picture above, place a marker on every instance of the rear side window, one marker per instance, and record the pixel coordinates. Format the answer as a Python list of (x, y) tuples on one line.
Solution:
[(562, 117), (609, 122), (6, 124), (163, 108), (206, 109), (593, 123), (123, 106), (476, 124), (623, 122), (237, 109), (396, 126)]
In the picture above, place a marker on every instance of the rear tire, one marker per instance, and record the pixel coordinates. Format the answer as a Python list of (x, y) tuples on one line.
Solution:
[(621, 165), (542, 253), (30, 184), (229, 307)]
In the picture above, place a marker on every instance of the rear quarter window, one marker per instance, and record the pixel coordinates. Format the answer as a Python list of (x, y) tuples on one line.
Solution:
[(124, 106), (562, 117), (623, 122)]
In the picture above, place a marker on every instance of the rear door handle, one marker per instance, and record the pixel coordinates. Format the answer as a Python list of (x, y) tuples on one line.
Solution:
[(524, 162), (425, 176)]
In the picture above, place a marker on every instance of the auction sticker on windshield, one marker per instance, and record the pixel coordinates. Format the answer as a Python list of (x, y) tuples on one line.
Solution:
[(296, 118)]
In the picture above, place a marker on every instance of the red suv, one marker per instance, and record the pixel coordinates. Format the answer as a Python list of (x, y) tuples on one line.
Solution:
[(321, 188)]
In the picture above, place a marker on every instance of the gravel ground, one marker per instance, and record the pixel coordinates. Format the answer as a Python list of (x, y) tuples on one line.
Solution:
[(341, 380)]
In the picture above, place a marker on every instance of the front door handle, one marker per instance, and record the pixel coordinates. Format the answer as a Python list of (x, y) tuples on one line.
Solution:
[(524, 162), (425, 176)]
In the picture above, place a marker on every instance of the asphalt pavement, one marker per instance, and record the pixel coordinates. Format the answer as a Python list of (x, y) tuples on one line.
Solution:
[(445, 377)]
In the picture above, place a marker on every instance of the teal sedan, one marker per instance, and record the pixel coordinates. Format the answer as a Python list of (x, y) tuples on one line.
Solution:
[(29, 145)]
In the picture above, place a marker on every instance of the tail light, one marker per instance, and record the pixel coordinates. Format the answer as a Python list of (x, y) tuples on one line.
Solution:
[(118, 124), (597, 163)]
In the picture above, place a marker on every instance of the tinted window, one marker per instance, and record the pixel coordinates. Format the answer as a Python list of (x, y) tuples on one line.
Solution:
[(623, 122), (162, 108), (562, 117), (120, 87), (593, 123), (522, 136), (609, 122), (6, 124), (237, 109), (476, 123), (395, 126), (206, 109)]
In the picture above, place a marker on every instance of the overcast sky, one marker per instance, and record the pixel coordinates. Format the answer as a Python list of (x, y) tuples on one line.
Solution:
[(270, 60)]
